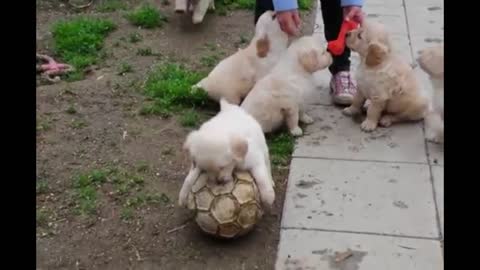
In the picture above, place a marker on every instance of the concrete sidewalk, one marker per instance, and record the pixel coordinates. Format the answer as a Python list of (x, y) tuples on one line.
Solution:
[(380, 194)]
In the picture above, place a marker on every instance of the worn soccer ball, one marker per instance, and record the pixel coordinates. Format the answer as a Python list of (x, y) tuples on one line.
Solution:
[(226, 211)]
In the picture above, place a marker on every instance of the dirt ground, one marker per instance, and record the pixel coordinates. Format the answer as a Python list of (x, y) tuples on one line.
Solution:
[(106, 130)]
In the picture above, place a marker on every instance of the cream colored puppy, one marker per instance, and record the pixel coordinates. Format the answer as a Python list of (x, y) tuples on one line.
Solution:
[(278, 98), (431, 61), (384, 78), (235, 76), (230, 140)]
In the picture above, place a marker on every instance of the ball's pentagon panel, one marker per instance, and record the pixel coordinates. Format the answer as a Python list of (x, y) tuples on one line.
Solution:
[(228, 230), (243, 192), (203, 199), (224, 209), (206, 222), (245, 176), (248, 215)]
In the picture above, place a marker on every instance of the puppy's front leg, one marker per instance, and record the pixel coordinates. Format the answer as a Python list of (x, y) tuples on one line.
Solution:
[(264, 183), (292, 117), (434, 128), (187, 185), (374, 112), (357, 103)]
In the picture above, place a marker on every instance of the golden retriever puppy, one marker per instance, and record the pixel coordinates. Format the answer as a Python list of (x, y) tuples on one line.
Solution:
[(431, 61), (230, 140), (279, 97), (385, 79), (235, 76)]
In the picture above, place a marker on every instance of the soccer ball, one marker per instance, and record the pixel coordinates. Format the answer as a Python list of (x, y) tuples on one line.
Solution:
[(226, 211)]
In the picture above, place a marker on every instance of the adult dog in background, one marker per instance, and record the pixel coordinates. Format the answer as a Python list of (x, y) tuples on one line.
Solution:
[(198, 8)]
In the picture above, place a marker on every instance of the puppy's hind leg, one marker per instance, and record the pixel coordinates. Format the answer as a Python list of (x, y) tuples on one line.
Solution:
[(291, 116), (187, 185), (357, 103), (264, 183)]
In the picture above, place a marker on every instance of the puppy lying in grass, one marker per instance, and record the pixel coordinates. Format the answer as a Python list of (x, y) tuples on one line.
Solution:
[(234, 77), (431, 61), (230, 140), (385, 79), (279, 97)]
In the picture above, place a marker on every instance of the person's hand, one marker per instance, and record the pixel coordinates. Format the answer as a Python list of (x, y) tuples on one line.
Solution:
[(353, 13), (289, 22)]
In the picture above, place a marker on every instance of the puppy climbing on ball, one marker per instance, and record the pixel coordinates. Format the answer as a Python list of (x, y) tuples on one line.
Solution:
[(231, 140)]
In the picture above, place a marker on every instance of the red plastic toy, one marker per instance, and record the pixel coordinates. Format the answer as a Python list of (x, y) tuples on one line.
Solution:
[(336, 47)]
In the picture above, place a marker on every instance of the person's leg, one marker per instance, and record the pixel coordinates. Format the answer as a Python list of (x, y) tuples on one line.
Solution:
[(261, 6), (342, 86)]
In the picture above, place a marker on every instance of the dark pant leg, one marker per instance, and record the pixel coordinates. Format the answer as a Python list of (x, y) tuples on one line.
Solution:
[(261, 6), (332, 14)]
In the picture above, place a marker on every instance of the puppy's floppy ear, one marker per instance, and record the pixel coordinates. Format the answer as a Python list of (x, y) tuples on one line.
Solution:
[(376, 54), (239, 147), (263, 46), (309, 60)]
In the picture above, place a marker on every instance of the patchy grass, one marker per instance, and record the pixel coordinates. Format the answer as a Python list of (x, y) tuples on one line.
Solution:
[(210, 60), (135, 37), (190, 119), (146, 16), (42, 217), (41, 186), (281, 147), (43, 124), (243, 40), (142, 166), (80, 41), (71, 110), (134, 203), (126, 187), (124, 68), (169, 87), (305, 4), (78, 124), (127, 213), (85, 191), (144, 52), (234, 4), (111, 6)]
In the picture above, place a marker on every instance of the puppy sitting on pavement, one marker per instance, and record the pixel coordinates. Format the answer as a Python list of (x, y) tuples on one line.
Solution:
[(385, 79), (234, 76), (279, 97), (431, 61), (230, 140)]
